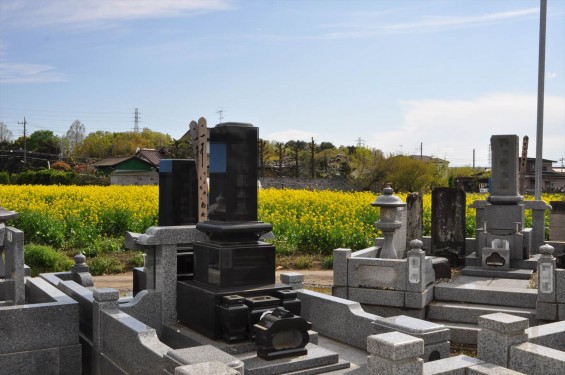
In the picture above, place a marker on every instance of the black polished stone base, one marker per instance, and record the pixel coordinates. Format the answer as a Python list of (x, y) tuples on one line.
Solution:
[(198, 306)]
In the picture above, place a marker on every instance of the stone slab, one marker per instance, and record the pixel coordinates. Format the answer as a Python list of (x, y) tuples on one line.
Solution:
[(470, 313), (179, 336), (212, 368), (57, 322), (454, 365), (377, 273), (340, 259), (560, 285), (44, 361), (377, 296), (521, 274), (316, 357), (493, 346), (479, 292), (428, 331), (383, 366), (546, 311), (419, 300), (551, 335), (433, 352), (503, 323), (171, 235), (490, 369), (200, 354), (336, 318), (535, 359), (395, 346)]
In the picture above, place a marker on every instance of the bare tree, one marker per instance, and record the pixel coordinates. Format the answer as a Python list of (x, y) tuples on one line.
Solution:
[(5, 133), (75, 136)]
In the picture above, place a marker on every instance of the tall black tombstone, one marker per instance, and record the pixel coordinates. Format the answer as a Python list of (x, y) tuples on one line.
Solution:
[(233, 172), (234, 272), (178, 192), (448, 224)]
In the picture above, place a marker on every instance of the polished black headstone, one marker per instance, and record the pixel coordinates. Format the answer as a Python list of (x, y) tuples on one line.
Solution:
[(178, 192), (233, 172)]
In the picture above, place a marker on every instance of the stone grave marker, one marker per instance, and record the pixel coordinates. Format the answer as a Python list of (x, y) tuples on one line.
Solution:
[(448, 224)]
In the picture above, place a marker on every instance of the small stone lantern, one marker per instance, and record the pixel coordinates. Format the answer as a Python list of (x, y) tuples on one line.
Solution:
[(388, 222)]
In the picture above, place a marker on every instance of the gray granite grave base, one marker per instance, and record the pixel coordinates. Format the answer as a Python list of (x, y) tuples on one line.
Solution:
[(529, 264), (179, 336), (470, 312), (513, 273), (436, 337), (317, 361)]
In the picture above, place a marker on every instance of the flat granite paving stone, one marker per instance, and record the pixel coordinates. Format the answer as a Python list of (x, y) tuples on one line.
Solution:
[(316, 357), (510, 283)]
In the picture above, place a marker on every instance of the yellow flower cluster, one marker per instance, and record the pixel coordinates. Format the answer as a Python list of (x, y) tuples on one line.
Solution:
[(309, 221), (86, 203)]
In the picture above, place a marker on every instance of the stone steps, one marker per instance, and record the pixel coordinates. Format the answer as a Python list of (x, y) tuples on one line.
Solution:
[(513, 273), (469, 312), (517, 297)]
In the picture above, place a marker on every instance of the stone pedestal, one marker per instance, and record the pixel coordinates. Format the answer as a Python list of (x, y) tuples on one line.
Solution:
[(499, 332), (394, 353)]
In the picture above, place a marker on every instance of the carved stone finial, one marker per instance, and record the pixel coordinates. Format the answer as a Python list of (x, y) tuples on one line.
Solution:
[(80, 259)]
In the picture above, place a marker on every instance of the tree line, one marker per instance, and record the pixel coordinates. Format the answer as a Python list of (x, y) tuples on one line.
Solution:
[(365, 168)]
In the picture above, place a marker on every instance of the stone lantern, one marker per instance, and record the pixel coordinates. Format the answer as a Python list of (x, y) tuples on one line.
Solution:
[(389, 221)]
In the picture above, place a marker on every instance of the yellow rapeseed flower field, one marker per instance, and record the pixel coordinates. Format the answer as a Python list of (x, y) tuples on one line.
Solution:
[(303, 220)]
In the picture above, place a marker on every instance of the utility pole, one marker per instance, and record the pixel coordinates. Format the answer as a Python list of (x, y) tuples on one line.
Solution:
[(136, 122), (541, 82), (25, 146), (421, 150), (313, 151)]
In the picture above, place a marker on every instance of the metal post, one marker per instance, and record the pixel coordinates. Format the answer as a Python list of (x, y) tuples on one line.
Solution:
[(541, 80)]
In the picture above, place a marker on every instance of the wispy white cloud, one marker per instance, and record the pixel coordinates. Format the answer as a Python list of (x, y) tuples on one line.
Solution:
[(550, 75), (28, 73), (453, 128), (427, 24), (291, 135), (101, 13)]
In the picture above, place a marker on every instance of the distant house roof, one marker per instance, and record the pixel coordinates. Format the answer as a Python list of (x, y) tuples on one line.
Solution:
[(110, 162), (148, 155), (153, 156)]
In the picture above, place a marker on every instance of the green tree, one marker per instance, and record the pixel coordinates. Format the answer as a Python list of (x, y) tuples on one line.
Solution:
[(280, 150), (296, 148), (43, 141)]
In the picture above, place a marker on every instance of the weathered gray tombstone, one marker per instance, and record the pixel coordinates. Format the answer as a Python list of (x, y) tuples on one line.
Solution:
[(448, 224), (4, 216), (414, 213), (557, 221)]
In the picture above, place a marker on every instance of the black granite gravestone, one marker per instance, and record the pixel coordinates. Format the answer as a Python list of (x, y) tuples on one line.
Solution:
[(234, 272), (233, 172), (448, 224), (178, 194)]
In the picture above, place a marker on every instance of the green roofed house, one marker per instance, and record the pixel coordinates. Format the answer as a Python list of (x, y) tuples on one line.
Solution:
[(139, 169)]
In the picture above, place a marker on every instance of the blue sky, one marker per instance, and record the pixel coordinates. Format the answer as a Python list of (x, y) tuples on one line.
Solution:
[(446, 74)]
